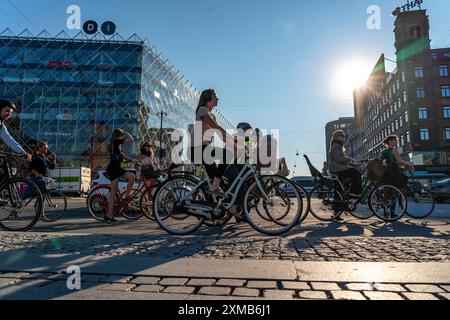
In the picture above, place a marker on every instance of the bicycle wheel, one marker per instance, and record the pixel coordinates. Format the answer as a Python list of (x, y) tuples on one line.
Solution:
[(97, 202), (421, 203), (306, 203), (388, 203), (326, 203), (21, 205), (55, 206), (167, 211), (132, 209), (146, 202), (362, 211), (283, 212)]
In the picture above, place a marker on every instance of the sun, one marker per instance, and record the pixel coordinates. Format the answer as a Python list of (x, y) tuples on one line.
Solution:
[(348, 76)]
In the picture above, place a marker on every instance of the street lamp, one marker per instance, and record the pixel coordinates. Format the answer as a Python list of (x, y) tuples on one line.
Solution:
[(162, 115)]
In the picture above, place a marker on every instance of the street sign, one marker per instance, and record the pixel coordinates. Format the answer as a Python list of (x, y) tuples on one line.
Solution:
[(411, 4)]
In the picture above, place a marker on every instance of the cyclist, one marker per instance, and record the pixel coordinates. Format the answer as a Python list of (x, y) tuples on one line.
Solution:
[(7, 109), (340, 164), (205, 121), (392, 161), (40, 165), (114, 169), (147, 165)]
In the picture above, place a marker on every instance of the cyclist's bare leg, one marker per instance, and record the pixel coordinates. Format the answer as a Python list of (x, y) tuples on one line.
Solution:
[(131, 178), (112, 197)]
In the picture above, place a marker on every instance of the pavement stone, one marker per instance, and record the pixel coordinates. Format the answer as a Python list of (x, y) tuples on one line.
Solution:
[(201, 282), (360, 286), (173, 281), (262, 284), (14, 275), (316, 295), (230, 283), (389, 287), (215, 291), (380, 295), (295, 285), (245, 292), (279, 294), (148, 288), (424, 288), (91, 277), (325, 286), (117, 287), (419, 296), (145, 280), (177, 289), (347, 295)]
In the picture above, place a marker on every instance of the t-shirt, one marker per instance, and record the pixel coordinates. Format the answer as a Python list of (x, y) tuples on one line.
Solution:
[(200, 128), (41, 165)]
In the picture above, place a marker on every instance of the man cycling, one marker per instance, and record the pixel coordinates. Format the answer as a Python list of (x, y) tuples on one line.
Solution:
[(7, 109)]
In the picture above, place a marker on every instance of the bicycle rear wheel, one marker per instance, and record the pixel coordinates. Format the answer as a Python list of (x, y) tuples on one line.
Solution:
[(146, 202), (166, 206), (388, 203), (421, 203), (326, 203), (97, 202), (21, 205), (55, 206), (279, 215)]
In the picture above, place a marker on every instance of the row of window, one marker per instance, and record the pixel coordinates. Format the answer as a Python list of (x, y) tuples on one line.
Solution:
[(443, 71), (423, 112)]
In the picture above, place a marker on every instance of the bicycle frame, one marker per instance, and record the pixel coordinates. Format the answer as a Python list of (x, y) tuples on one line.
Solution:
[(236, 186)]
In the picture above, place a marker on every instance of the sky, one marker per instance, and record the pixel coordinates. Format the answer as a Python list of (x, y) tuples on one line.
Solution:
[(284, 64)]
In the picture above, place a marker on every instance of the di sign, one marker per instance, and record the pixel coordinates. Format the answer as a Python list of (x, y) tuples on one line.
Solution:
[(411, 4), (108, 28)]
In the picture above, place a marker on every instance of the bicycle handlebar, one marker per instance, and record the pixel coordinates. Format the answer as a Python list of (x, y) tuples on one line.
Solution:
[(12, 155)]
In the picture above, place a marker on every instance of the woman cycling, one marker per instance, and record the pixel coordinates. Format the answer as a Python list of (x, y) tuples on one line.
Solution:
[(148, 166), (115, 171), (202, 149), (392, 161)]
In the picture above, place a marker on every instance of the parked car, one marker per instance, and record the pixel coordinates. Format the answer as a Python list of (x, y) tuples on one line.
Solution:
[(101, 179), (440, 190), (305, 182)]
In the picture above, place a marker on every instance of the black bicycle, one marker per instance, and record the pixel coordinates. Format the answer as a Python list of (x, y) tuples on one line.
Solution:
[(21, 202), (421, 202), (330, 199)]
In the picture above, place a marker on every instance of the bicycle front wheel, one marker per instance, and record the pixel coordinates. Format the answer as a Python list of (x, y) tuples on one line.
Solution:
[(421, 203), (55, 206), (132, 210), (21, 205), (170, 216), (388, 203), (276, 214)]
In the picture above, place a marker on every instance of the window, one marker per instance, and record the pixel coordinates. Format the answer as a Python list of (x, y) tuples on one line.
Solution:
[(446, 111), (402, 140), (445, 91), (418, 71), (434, 56), (424, 134), (421, 92), (405, 97), (406, 117), (423, 113), (447, 134), (408, 137), (401, 122), (443, 71), (403, 76)]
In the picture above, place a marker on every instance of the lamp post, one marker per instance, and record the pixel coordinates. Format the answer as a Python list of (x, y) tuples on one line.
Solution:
[(162, 115)]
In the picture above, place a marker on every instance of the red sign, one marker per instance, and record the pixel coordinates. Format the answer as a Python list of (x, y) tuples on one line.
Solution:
[(60, 64)]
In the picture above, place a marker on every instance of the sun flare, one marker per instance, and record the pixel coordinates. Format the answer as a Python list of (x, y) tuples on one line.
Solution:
[(348, 76)]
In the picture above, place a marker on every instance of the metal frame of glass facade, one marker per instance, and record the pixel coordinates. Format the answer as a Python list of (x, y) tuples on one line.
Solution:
[(73, 92)]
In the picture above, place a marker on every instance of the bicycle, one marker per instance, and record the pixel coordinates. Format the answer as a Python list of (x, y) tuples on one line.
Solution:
[(330, 199), (21, 202), (182, 204), (55, 201), (421, 202)]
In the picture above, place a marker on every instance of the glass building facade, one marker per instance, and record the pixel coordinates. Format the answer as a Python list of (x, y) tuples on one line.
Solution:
[(73, 92)]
